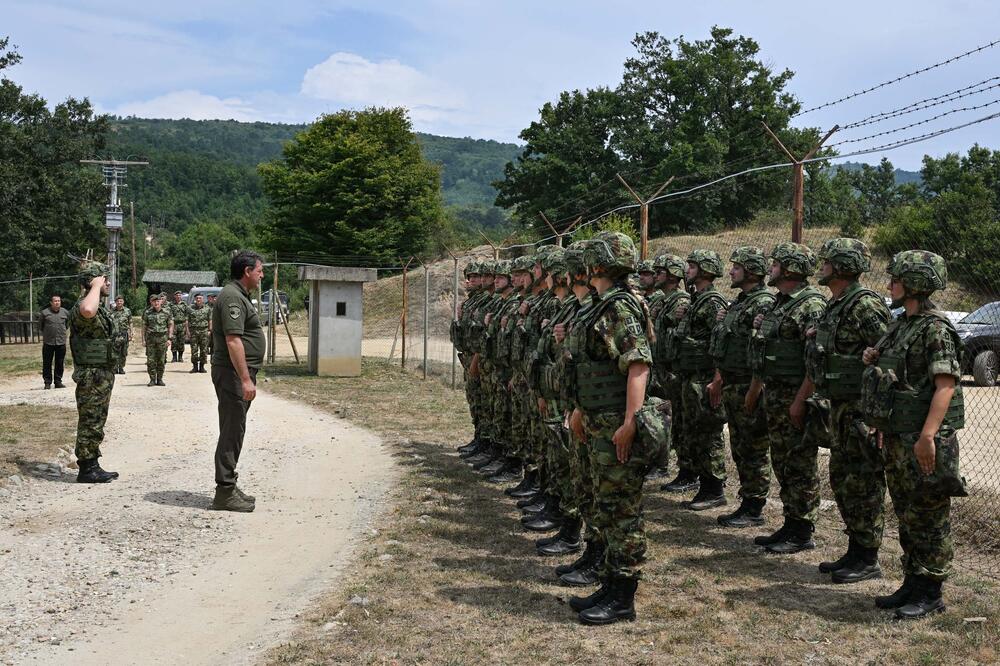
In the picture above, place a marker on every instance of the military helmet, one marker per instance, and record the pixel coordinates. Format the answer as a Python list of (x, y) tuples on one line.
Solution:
[(795, 258), (919, 270), (553, 261), (542, 250), (672, 264), (645, 266), (472, 268), (522, 264), (573, 255), (487, 266), (751, 258), (706, 260), (847, 255), (611, 250), (502, 267), (91, 269)]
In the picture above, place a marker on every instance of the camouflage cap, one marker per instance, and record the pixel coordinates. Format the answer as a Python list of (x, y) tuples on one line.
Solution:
[(795, 258), (611, 250), (751, 258), (672, 264), (522, 264), (707, 260), (919, 270), (847, 255), (501, 267), (645, 266), (554, 261), (90, 269), (574, 258)]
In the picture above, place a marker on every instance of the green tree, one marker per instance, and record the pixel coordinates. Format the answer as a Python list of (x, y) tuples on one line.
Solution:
[(354, 182)]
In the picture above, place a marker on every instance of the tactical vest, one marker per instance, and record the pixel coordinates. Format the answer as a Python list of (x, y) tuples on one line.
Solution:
[(548, 384), (733, 346), (893, 409), (94, 352), (664, 338), (839, 376), (686, 354), (599, 386), (781, 360)]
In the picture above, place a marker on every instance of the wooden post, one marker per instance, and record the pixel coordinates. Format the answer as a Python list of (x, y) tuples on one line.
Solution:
[(798, 180), (131, 211), (427, 311), (406, 303), (454, 315), (644, 214), (496, 250), (31, 306)]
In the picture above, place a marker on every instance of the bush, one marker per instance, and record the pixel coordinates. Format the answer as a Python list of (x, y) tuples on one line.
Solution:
[(613, 222)]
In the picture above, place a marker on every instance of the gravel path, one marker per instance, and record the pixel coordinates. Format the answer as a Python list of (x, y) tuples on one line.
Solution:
[(138, 571)]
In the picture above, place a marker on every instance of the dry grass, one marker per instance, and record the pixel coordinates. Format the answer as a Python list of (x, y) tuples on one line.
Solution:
[(32, 434), (26, 359), (462, 585)]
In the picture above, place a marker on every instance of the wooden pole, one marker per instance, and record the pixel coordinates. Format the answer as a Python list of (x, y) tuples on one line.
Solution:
[(131, 210), (427, 310), (454, 351), (558, 235), (798, 180), (31, 306), (406, 303), (644, 213)]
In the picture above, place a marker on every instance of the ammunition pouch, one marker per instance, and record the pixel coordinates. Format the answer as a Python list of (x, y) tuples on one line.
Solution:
[(693, 356), (600, 387)]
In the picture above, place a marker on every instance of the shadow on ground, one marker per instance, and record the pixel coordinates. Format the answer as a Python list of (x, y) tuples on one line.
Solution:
[(179, 498)]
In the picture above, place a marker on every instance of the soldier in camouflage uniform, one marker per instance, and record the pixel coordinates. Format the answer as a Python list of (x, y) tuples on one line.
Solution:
[(648, 283), (123, 325), (459, 337), (855, 318), (911, 392), (667, 313), (200, 326), (211, 306), (611, 359), (157, 331), (778, 361), (92, 330), (730, 344), (688, 353), (480, 367), (179, 311)]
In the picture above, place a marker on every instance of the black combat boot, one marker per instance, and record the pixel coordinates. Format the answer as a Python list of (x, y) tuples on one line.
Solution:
[(180, 355), (524, 488), (511, 471), (924, 600), (582, 562), (201, 367), (710, 495), (173, 359), (567, 540), (617, 605), (587, 573), (91, 472), (864, 566), (494, 467), (546, 520), (580, 604), (657, 473), (159, 379), (540, 505), (488, 455), (152, 380), (774, 537), (898, 598), (844, 560), (750, 514), (530, 500), (480, 445), (194, 367), (684, 481), (471, 446), (798, 538)]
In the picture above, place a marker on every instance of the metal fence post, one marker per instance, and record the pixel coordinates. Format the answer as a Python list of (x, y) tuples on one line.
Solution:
[(427, 307), (454, 351)]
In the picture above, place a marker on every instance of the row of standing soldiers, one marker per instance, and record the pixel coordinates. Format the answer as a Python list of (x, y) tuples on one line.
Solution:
[(580, 381), (170, 325)]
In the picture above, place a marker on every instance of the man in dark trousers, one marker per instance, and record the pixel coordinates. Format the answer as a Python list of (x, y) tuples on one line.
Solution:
[(52, 321), (238, 353)]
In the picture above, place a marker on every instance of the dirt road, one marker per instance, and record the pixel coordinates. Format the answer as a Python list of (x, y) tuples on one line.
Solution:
[(138, 571)]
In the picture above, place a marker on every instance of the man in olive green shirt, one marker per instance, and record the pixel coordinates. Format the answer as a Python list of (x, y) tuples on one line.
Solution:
[(238, 353)]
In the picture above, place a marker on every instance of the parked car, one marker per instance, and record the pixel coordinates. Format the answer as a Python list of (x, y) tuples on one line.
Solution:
[(265, 304), (980, 332)]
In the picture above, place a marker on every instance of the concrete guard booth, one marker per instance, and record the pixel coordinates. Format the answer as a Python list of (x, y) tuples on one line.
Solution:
[(335, 298)]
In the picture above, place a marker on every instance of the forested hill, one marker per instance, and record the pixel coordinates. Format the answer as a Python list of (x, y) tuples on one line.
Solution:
[(204, 167)]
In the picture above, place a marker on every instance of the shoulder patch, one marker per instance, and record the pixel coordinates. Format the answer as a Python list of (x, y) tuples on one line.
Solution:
[(234, 311)]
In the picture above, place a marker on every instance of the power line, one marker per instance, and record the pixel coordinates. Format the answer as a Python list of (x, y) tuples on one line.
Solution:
[(899, 78)]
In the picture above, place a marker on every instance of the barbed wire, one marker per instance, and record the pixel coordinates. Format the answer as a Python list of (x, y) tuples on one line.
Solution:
[(35, 279), (898, 78), (927, 103), (916, 124)]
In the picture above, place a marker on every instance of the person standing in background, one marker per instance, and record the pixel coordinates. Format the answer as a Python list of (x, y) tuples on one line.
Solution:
[(53, 322)]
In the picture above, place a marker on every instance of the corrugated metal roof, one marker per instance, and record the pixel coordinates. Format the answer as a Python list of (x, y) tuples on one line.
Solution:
[(189, 278)]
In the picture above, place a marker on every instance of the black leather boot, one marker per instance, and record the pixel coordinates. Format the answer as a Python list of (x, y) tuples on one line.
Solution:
[(774, 537), (797, 539), (864, 566), (194, 367), (656, 474), (682, 483), (588, 572), (898, 598), (710, 495), (543, 522), (580, 604), (91, 472), (201, 367), (750, 514), (487, 457), (567, 540), (617, 605), (152, 380), (582, 562), (159, 379), (844, 560), (473, 443), (174, 357), (180, 355), (509, 472), (481, 445), (924, 600), (526, 487), (530, 500)]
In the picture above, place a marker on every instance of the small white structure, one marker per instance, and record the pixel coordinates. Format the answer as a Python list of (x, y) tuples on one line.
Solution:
[(335, 318)]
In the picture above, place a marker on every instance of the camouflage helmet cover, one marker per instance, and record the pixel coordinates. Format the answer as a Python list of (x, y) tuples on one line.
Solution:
[(553, 261), (645, 266), (502, 267), (751, 258), (574, 258), (487, 266), (795, 258), (611, 250), (847, 255), (672, 264), (471, 268), (522, 264), (90, 269), (919, 270), (707, 260), (543, 250)]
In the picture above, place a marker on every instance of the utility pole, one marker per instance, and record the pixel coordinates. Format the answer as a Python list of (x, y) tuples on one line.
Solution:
[(131, 212), (644, 213), (798, 181), (559, 236), (114, 177)]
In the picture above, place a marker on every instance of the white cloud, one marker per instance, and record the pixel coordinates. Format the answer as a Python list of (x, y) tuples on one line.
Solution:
[(189, 104), (350, 79)]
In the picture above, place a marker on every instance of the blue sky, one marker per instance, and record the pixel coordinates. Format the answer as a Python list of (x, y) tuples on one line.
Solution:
[(483, 69)]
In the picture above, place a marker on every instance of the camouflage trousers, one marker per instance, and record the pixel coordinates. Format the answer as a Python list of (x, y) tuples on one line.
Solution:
[(521, 421), (748, 442), (793, 456), (924, 514), (93, 395), (484, 400), (199, 344), (680, 442), (500, 410), (705, 444), (156, 353), (120, 348), (857, 475), (582, 484), (617, 516), (179, 337)]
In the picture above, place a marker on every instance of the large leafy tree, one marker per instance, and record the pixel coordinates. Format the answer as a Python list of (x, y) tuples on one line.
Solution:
[(353, 183), (49, 204)]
